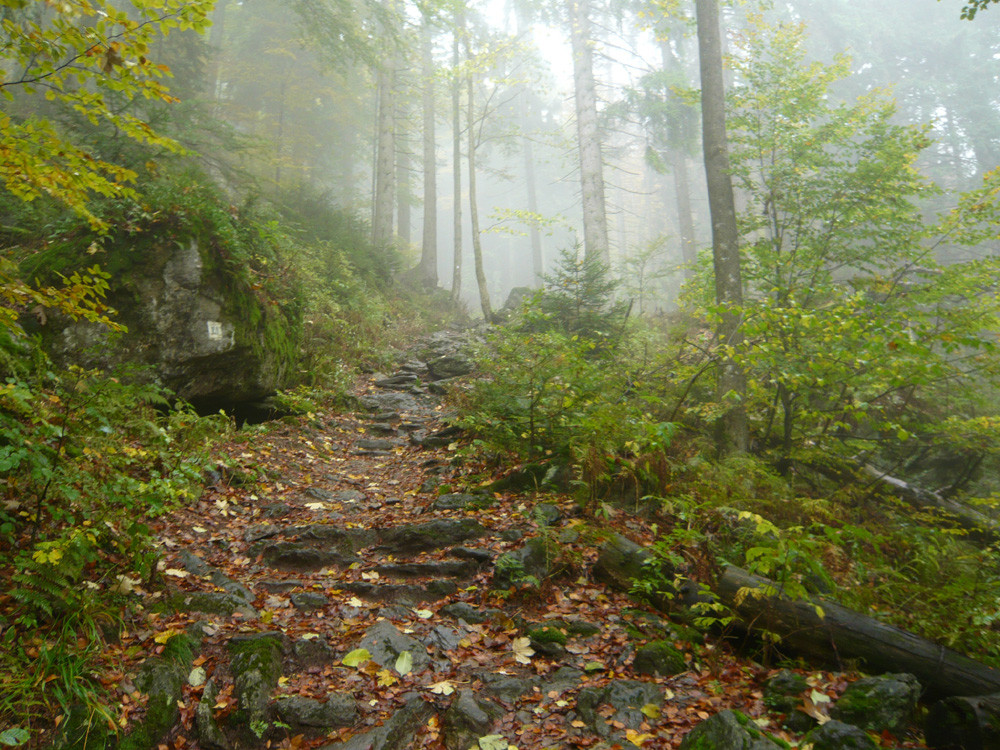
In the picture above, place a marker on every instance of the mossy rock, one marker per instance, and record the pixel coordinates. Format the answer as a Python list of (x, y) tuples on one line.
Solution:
[(83, 729), (659, 659), (886, 703), (836, 735), (783, 691), (728, 730), (548, 634)]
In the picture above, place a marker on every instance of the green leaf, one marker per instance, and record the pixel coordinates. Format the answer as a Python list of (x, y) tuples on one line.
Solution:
[(356, 658), (404, 663), (14, 736), (493, 742)]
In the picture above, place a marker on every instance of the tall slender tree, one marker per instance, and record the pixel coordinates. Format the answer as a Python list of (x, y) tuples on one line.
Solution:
[(428, 248), (595, 218), (732, 435)]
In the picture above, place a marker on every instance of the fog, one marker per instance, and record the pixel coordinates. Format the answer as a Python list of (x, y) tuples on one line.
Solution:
[(301, 90)]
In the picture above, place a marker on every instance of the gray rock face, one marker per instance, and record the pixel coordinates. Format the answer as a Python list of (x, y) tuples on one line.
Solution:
[(385, 643), (727, 730), (466, 720), (449, 366), (659, 659), (836, 735), (531, 563), (879, 703), (187, 320), (397, 733), (626, 697), (336, 711)]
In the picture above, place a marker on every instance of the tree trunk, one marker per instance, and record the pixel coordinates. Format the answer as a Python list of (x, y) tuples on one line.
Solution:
[(456, 165), (385, 160), (595, 220), (477, 245), (428, 248), (732, 433), (839, 635), (680, 128), (537, 259), (404, 166)]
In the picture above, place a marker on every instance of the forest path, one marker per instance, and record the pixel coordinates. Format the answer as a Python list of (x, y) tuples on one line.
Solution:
[(347, 542)]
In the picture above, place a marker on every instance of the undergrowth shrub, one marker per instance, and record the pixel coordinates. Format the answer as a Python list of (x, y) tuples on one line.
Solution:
[(87, 460)]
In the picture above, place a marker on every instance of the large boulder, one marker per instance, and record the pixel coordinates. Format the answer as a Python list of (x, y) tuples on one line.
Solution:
[(195, 323)]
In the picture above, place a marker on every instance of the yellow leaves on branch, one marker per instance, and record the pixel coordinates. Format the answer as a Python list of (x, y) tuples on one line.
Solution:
[(77, 52)]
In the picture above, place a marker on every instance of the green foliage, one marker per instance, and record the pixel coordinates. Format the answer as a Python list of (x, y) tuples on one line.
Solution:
[(86, 461), (853, 332), (86, 55)]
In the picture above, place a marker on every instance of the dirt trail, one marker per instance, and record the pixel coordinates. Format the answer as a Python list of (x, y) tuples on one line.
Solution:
[(349, 542)]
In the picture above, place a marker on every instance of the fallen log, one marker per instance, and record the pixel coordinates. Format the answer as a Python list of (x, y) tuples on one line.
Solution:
[(837, 635)]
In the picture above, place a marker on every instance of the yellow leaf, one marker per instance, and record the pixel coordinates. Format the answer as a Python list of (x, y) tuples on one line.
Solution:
[(636, 738)]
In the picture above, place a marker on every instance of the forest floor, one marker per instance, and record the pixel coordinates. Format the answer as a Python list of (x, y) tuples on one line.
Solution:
[(350, 524)]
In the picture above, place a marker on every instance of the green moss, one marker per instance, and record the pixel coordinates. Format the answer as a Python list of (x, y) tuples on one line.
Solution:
[(548, 635), (261, 652)]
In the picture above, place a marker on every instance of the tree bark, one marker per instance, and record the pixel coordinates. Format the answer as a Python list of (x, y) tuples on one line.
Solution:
[(964, 723), (385, 159), (680, 127), (840, 634), (595, 219), (732, 432), (477, 245), (428, 247), (456, 166)]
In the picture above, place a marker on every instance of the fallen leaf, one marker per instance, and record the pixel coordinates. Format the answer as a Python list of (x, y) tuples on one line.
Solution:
[(197, 677), (493, 742), (636, 738), (356, 657), (443, 688), (404, 663), (176, 573), (651, 711), (522, 650), (817, 697), (386, 678), (423, 614), (355, 602)]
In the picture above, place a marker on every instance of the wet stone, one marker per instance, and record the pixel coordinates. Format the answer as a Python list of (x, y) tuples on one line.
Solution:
[(377, 445), (318, 493), (260, 531), (308, 601), (465, 611), (312, 652), (277, 510)]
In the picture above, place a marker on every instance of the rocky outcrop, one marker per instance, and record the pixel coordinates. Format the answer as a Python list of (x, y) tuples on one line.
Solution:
[(193, 326)]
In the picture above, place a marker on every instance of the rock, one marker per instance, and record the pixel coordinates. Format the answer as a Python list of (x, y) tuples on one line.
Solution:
[(470, 553), (960, 723), (431, 568), (385, 643), (297, 711), (210, 736), (377, 445), (465, 611), (783, 691), (659, 659), (532, 563), (466, 720), (836, 735), (308, 601), (397, 733), (193, 323), (505, 687), (449, 366), (260, 531), (311, 652), (408, 540), (276, 586), (409, 594), (626, 697), (547, 514), (727, 730), (394, 402), (256, 666), (517, 297), (299, 557), (886, 703), (210, 602), (453, 501)]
